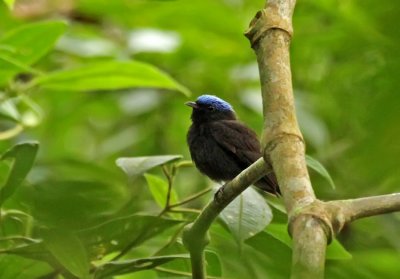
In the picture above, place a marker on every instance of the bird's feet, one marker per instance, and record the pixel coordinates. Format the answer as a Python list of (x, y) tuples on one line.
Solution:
[(219, 194)]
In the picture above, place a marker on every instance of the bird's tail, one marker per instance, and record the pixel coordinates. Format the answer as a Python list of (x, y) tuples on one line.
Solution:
[(269, 184)]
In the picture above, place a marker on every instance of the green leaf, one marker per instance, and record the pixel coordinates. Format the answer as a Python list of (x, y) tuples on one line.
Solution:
[(9, 3), (159, 188), (319, 168), (34, 249), (133, 230), (69, 251), (335, 250), (138, 165), (25, 45), (247, 215), (133, 265), (76, 204), (15, 267), (109, 75), (23, 155), (8, 110), (279, 232)]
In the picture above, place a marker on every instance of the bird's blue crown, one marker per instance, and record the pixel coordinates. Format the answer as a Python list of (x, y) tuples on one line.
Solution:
[(211, 100)]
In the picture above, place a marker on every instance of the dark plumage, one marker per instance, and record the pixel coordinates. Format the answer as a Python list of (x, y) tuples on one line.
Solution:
[(220, 145)]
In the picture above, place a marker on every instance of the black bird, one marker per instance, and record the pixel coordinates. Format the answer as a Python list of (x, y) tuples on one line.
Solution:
[(220, 145)]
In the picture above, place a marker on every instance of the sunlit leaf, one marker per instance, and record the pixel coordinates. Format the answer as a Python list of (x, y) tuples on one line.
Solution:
[(8, 110), (9, 3), (247, 215), (110, 75), (159, 188), (138, 165), (319, 168), (31, 112), (69, 251), (23, 156)]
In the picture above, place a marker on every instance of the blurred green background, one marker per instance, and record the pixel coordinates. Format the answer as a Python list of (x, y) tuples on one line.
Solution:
[(345, 65)]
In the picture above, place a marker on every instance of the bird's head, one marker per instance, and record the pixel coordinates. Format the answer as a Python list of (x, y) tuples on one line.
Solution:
[(211, 108)]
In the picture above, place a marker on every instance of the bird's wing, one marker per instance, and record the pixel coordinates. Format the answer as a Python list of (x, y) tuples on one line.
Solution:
[(237, 139), (242, 143)]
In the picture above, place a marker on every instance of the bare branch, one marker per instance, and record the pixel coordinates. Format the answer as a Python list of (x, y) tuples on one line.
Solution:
[(342, 212), (370, 206), (195, 235)]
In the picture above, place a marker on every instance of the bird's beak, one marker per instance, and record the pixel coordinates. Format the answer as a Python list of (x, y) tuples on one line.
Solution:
[(192, 104)]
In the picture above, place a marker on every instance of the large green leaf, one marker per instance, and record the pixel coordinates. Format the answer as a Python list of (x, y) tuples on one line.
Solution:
[(69, 251), (23, 156), (76, 204), (133, 230), (109, 75), (133, 265), (247, 215), (138, 165), (25, 45)]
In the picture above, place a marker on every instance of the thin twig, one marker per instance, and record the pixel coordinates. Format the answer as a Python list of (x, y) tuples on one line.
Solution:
[(177, 272), (170, 242), (185, 210), (170, 181), (191, 198)]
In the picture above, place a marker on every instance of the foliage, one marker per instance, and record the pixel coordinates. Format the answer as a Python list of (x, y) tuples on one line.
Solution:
[(100, 86)]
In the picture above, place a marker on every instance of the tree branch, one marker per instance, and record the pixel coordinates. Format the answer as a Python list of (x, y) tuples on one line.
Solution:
[(343, 212), (370, 206), (312, 223), (195, 236), (270, 34)]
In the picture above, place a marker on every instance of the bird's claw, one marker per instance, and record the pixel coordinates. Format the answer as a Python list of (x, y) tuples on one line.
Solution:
[(218, 195)]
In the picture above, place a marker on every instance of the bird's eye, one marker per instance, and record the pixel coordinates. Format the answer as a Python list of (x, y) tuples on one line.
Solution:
[(211, 108)]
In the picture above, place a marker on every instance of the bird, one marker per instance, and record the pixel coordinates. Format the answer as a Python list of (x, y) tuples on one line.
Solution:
[(220, 145)]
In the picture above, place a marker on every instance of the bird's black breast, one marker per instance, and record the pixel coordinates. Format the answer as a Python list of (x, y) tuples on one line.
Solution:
[(209, 156)]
